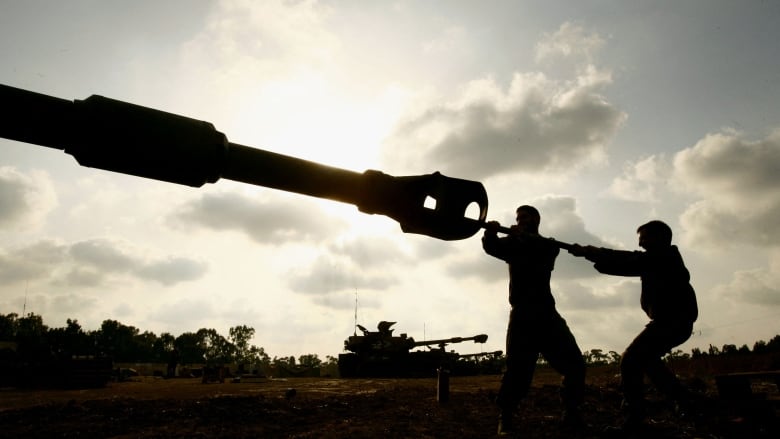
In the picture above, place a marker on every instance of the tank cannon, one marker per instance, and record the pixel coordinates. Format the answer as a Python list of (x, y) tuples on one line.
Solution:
[(481, 338), (127, 138), (382, 354)]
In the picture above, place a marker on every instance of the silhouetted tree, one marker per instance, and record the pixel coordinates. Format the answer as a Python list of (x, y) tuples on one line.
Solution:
[(598, 357), (586, 355), (71, 340), (217, 350), (330, 367), (8, 326), (31, 338), (676, 354), (284, 361), (143, 345), (34, 341), (713, 350), (191, 347), (774, 344), (260, 360), (163, 346), (239, 336), (117, 341), (309, 360)]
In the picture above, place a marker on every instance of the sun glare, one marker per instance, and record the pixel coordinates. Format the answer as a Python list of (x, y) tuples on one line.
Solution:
[(308, 117)]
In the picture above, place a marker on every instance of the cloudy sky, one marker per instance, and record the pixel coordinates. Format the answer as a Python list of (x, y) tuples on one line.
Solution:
[(603, 114)]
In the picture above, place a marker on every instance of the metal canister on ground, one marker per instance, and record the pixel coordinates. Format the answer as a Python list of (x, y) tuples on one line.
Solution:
[(443, 385)]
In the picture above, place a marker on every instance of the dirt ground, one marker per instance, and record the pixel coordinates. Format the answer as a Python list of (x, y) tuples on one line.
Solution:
[(348, 408)]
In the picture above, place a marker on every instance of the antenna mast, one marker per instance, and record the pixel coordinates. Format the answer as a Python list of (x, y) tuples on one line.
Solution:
[(24, 305), (354, 328)]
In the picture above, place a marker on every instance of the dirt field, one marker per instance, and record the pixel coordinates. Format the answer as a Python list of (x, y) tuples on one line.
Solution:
[(341, 408)]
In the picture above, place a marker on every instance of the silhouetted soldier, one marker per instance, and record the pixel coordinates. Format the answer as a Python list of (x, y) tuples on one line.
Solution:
[(534, 324), (667, 298)]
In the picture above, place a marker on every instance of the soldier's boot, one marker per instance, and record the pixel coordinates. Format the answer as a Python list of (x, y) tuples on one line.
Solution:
[(506, 426), (571, 420), (635, 416), (633, 422)]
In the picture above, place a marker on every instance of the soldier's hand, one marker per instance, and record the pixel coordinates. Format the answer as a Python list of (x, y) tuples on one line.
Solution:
[(584, 250), (491, 227), (578, 250)]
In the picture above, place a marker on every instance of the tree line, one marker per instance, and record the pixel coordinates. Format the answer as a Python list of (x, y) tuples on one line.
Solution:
[(599, 357), (34, 341)]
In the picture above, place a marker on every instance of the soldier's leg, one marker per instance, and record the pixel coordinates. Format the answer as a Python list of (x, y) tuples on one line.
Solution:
[(520, 364), (669, 337), (516, 381), (663, 378), (642, 356), (564, 355), (632, 369)]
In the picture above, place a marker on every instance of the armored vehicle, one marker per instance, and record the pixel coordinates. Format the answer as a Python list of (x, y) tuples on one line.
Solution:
[(382, 354)]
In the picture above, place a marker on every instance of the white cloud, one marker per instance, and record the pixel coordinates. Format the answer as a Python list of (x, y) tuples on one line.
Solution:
[(536, 125), (569, 41), (172, 270), (261, 37), (72, 304), (33, 261), (452, 41), (760, 286), (103, 254), (94, 262), (605, 294), (332, 274), (250, 52), (54, 308), (25, 199), (561, 220), (482, 266), (185, 313), (104, 257), (372, 251), (642, 180), (738, 181), (275, 220)]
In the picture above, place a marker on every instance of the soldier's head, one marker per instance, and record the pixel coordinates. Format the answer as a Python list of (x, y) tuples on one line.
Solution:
[(654, 234), (528, 219)]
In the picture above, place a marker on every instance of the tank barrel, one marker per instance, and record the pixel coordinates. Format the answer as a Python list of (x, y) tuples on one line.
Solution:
[(34, 118), (481, 338), (122, 137)]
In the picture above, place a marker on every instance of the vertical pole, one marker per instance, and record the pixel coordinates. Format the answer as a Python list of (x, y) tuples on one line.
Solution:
[(443, 385)]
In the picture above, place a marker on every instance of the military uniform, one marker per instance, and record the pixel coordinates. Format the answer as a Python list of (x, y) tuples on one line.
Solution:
[(669, 300), (535, 327)]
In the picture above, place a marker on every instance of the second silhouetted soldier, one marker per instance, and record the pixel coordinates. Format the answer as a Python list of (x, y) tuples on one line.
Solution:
[(669, 300)]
